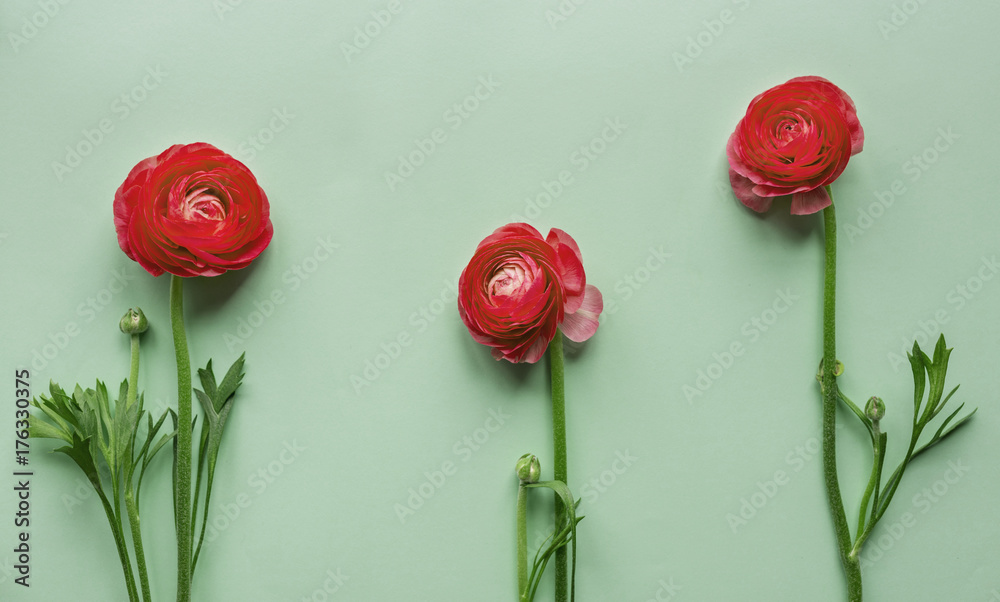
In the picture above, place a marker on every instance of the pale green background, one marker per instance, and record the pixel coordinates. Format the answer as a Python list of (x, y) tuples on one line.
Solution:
[(661, 184)]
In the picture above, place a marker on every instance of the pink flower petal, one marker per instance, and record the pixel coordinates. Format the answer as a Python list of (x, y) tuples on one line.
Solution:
[(743, 189), (570, 265), (536, 352), (582, 324), (557, 238), (805, 203), (509, 231)]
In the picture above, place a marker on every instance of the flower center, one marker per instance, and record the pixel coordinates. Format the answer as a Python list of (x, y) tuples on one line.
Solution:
[(507, 281), (789, 129), (203, 205)]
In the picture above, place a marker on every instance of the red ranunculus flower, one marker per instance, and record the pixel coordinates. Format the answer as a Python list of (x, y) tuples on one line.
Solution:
[(192, 210), (795, 139), (519, 288)]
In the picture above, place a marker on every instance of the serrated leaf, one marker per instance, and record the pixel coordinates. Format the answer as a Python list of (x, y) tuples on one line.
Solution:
[(207, 405), (41, 429), (59, 407), (79, 451), (216, 401), (126, 424), (105, 435), (936, 370), (231, 382), (941, 352), (207, 378), (147, 453), (936, 373)]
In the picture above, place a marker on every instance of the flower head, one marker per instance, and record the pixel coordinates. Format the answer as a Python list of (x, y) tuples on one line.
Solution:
[(795, 139), (192, 210), (519, 288)]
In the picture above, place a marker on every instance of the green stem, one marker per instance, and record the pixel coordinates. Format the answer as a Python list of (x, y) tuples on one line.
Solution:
[(140, 556), (182, 483), (522, 542), (130, 504), (882, 502), (897, 476), (873, 482), (133, 373), (560, 463), (133, 596), (852, 566)]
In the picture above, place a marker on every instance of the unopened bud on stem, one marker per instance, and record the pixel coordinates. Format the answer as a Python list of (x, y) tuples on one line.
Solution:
[(529, 469), (134, 322), (875, 409)]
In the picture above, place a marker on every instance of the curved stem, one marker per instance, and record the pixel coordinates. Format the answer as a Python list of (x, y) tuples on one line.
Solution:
[(522, 542), (560, 463), (852, 566), (182, 484), (873, 482)]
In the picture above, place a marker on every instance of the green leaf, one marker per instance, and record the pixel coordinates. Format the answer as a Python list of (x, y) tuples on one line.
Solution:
[(936, 370), (206, 402), (207, 378), (148, 452), (59, 407), (126, 423), (919, 380), (942, 432), (566, 535), (216, 402), (41, 429), (79, 451), (105, 434), (231, 382), (64, 405)]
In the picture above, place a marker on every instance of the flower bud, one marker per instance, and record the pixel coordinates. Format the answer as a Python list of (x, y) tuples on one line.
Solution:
[(134, 322), (875, 409), (529, 469)]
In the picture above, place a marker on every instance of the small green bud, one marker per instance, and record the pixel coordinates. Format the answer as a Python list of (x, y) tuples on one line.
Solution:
[(875, 409), (838, 369), (134, 322), (529, 469)]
